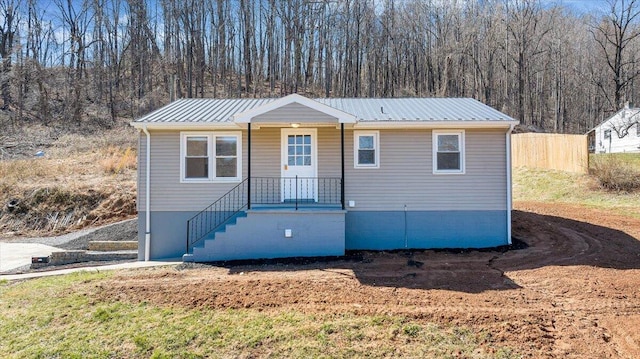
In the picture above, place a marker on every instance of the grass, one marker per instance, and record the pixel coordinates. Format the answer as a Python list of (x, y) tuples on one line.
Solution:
[(630, 159), (564, 187), (63, 317)]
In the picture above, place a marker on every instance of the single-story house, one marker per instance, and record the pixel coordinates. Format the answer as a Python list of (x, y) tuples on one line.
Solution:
[(618, 133), (225, 179)]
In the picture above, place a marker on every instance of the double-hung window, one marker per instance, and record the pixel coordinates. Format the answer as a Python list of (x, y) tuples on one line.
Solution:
[(448, 152), (366, 149), (196, 158), (210, 156)]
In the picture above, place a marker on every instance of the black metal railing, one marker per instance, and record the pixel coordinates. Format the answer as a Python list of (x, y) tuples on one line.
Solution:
[(278, 191), (217, 214), (296, 191)]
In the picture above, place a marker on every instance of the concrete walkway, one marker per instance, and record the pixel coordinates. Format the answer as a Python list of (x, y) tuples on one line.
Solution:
[(16, 255), (128, 265)]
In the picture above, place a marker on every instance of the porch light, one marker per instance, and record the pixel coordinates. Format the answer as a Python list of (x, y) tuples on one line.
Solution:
[(295, 125)]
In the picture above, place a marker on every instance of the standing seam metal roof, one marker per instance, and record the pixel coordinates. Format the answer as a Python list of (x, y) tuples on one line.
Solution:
[(365, 109)]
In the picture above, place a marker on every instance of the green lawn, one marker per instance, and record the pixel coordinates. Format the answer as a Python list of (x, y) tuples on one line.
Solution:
[(580, 189), (631, 159), (62, 317)]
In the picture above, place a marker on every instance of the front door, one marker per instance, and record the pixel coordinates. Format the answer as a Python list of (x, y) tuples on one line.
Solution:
[(299, 165)]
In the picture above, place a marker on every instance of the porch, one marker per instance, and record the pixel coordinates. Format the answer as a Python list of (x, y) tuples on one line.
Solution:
[(283, 199), (293, 187)]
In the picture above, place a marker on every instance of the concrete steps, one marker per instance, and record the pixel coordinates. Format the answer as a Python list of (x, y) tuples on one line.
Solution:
[(275, 233)]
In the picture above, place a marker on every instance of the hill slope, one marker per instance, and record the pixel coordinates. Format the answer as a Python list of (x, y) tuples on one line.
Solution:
[(79, 181)]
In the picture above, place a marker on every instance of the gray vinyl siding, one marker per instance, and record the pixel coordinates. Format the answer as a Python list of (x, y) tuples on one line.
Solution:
[(404, 178), (294, 112), (167, 193)]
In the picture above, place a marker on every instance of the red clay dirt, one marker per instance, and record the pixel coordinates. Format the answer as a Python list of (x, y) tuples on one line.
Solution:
[(572, 292)]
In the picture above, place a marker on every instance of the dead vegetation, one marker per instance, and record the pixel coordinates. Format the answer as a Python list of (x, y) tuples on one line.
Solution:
[(615, 173), (78, 181)]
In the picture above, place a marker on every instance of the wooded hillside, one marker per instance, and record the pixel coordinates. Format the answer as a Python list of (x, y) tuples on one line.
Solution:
[(548, 66)]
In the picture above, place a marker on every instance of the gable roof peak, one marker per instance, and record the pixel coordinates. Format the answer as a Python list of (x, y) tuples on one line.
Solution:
[(341, 116)]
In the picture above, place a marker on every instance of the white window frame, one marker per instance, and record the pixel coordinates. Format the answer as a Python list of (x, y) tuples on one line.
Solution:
[(434, 154), (211, 148), (376, 148)]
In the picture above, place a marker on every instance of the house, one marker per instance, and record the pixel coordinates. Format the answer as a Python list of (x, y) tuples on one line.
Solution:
[(619, 133), (225, 179)]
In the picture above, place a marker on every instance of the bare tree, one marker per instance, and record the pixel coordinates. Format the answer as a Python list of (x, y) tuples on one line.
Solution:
[(614, 34), (8, 27)]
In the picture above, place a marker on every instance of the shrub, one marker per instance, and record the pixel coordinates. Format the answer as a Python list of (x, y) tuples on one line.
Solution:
[(615, 174)]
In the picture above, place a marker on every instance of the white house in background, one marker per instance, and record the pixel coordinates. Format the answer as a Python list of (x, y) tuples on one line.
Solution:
[(619, 133)]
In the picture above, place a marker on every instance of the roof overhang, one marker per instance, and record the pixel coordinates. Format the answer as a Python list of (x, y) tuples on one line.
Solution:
[(186, 125), (433, 124), (203, 126), (245, 117)]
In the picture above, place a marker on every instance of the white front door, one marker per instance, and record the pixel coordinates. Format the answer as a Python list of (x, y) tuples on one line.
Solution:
[(299, 165)]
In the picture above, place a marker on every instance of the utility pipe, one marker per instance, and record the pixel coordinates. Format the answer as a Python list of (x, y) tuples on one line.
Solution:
[(509, 185), (147, 227)]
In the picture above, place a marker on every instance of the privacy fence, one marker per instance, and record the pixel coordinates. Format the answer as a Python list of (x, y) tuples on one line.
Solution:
[(550, 151)]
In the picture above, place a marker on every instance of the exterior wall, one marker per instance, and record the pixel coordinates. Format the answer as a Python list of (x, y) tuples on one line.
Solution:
[(405, 176), (168, 234), (453, 210), (262, 235), (168, 194), (615, 144), (383, 230)]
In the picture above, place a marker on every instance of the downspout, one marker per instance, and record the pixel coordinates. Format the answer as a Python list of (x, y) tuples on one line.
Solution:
[(249, 166), (147, 226), (509, 184), (342, 166)]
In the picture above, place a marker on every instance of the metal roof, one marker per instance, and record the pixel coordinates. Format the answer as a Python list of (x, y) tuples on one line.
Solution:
[(365, 109)]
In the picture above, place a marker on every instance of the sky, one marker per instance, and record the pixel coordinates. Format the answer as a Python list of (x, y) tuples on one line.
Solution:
[(583, 6)]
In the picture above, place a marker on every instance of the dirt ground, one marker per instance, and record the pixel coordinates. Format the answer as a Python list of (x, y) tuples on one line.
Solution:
[(573, 291)]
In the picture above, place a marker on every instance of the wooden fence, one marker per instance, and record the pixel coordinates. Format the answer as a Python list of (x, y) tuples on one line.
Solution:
[(550, 151)]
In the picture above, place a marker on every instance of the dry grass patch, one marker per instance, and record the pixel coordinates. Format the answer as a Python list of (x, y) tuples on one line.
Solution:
[(119, 160), (616, 172), (81, 181)]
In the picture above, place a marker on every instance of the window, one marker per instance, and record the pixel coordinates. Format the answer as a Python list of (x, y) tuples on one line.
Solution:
[(638, 128), (607, 133), (226, 156), (366, 153), (299, 150), (210, 156), (197, 157), (448, 152)]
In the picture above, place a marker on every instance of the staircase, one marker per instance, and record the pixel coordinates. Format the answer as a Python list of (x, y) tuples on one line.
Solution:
[(275, 233), (217, 215), (197, 249), (231, 229)]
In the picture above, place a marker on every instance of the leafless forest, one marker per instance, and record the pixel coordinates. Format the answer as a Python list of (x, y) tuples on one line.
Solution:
[(549, 66)]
